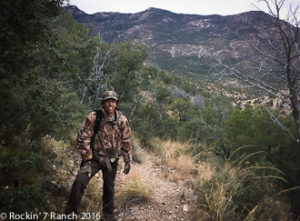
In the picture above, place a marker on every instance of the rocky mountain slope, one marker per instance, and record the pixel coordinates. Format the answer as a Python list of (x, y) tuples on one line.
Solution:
[(183, 43)]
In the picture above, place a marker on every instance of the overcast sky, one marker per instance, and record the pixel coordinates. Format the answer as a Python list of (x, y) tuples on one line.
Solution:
[(202, 7)]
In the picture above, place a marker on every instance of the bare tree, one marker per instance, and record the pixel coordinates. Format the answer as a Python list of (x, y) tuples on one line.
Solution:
[(97, 81), (278, 72)]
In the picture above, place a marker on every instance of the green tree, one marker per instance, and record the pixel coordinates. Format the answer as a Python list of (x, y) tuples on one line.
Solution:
[(35, 100), (278, 68), (183, 108), (253, 126), (127, 60)]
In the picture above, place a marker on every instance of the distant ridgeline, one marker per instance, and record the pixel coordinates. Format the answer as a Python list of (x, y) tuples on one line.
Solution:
[(182, 43)]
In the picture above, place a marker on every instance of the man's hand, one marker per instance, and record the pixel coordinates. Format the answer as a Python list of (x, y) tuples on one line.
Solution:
[(127, 167), (86, 167)]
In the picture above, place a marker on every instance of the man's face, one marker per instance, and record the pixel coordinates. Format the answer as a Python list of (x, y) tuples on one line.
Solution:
[(109, 106)]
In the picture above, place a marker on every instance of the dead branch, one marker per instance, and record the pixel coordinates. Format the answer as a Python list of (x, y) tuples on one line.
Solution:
[(256, 83), (278, 123)]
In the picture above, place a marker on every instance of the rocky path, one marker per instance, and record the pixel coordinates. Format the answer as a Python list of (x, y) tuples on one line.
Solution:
[(168, 200)]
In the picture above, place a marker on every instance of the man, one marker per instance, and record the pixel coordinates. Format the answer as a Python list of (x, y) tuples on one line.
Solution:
[(101, 151)]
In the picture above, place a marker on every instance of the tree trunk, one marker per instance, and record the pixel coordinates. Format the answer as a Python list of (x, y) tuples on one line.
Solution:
[(295, 207), (295, 103)]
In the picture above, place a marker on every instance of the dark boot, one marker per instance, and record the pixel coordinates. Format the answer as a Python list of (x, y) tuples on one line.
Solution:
[(108, 217)]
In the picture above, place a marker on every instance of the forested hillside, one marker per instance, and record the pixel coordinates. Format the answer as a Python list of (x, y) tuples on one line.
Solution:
[(235, 162)]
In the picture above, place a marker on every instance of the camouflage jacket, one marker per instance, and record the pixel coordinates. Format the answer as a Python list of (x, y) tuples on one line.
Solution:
[(112, 139)]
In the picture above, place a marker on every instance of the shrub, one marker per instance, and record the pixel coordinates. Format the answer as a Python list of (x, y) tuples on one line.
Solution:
[(238, 188)]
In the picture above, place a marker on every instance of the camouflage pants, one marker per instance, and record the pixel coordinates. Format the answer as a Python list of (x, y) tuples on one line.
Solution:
[(83, 179)]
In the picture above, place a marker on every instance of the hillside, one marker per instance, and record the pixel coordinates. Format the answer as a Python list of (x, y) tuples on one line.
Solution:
[(183, 43), (198, 153)]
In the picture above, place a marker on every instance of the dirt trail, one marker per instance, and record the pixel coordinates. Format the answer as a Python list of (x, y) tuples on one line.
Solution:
[(168, 200)]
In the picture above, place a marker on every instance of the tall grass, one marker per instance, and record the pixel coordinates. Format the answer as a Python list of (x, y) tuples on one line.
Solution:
[(238, 188)]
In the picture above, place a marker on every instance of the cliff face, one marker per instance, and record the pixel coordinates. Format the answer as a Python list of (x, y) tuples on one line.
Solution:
[(183, 43)]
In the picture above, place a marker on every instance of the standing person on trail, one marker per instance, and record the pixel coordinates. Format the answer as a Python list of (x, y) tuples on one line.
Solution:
[(104, 136)]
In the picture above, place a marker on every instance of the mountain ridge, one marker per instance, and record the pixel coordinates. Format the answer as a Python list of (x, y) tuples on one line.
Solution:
[(182, 43)]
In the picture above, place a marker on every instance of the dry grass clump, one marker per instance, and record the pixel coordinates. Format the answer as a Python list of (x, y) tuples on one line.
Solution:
[(180, 164), (205, 171), (131, 190), (215, 195), (138, 154)]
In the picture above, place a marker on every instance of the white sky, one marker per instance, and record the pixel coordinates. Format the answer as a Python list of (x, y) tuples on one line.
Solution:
[(201, 7)]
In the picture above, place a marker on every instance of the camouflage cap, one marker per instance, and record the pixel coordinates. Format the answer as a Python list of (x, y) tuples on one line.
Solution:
[(110, 95)]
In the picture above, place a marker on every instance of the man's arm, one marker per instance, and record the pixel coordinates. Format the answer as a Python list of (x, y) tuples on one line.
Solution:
[(84, 138), (126, 141)]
